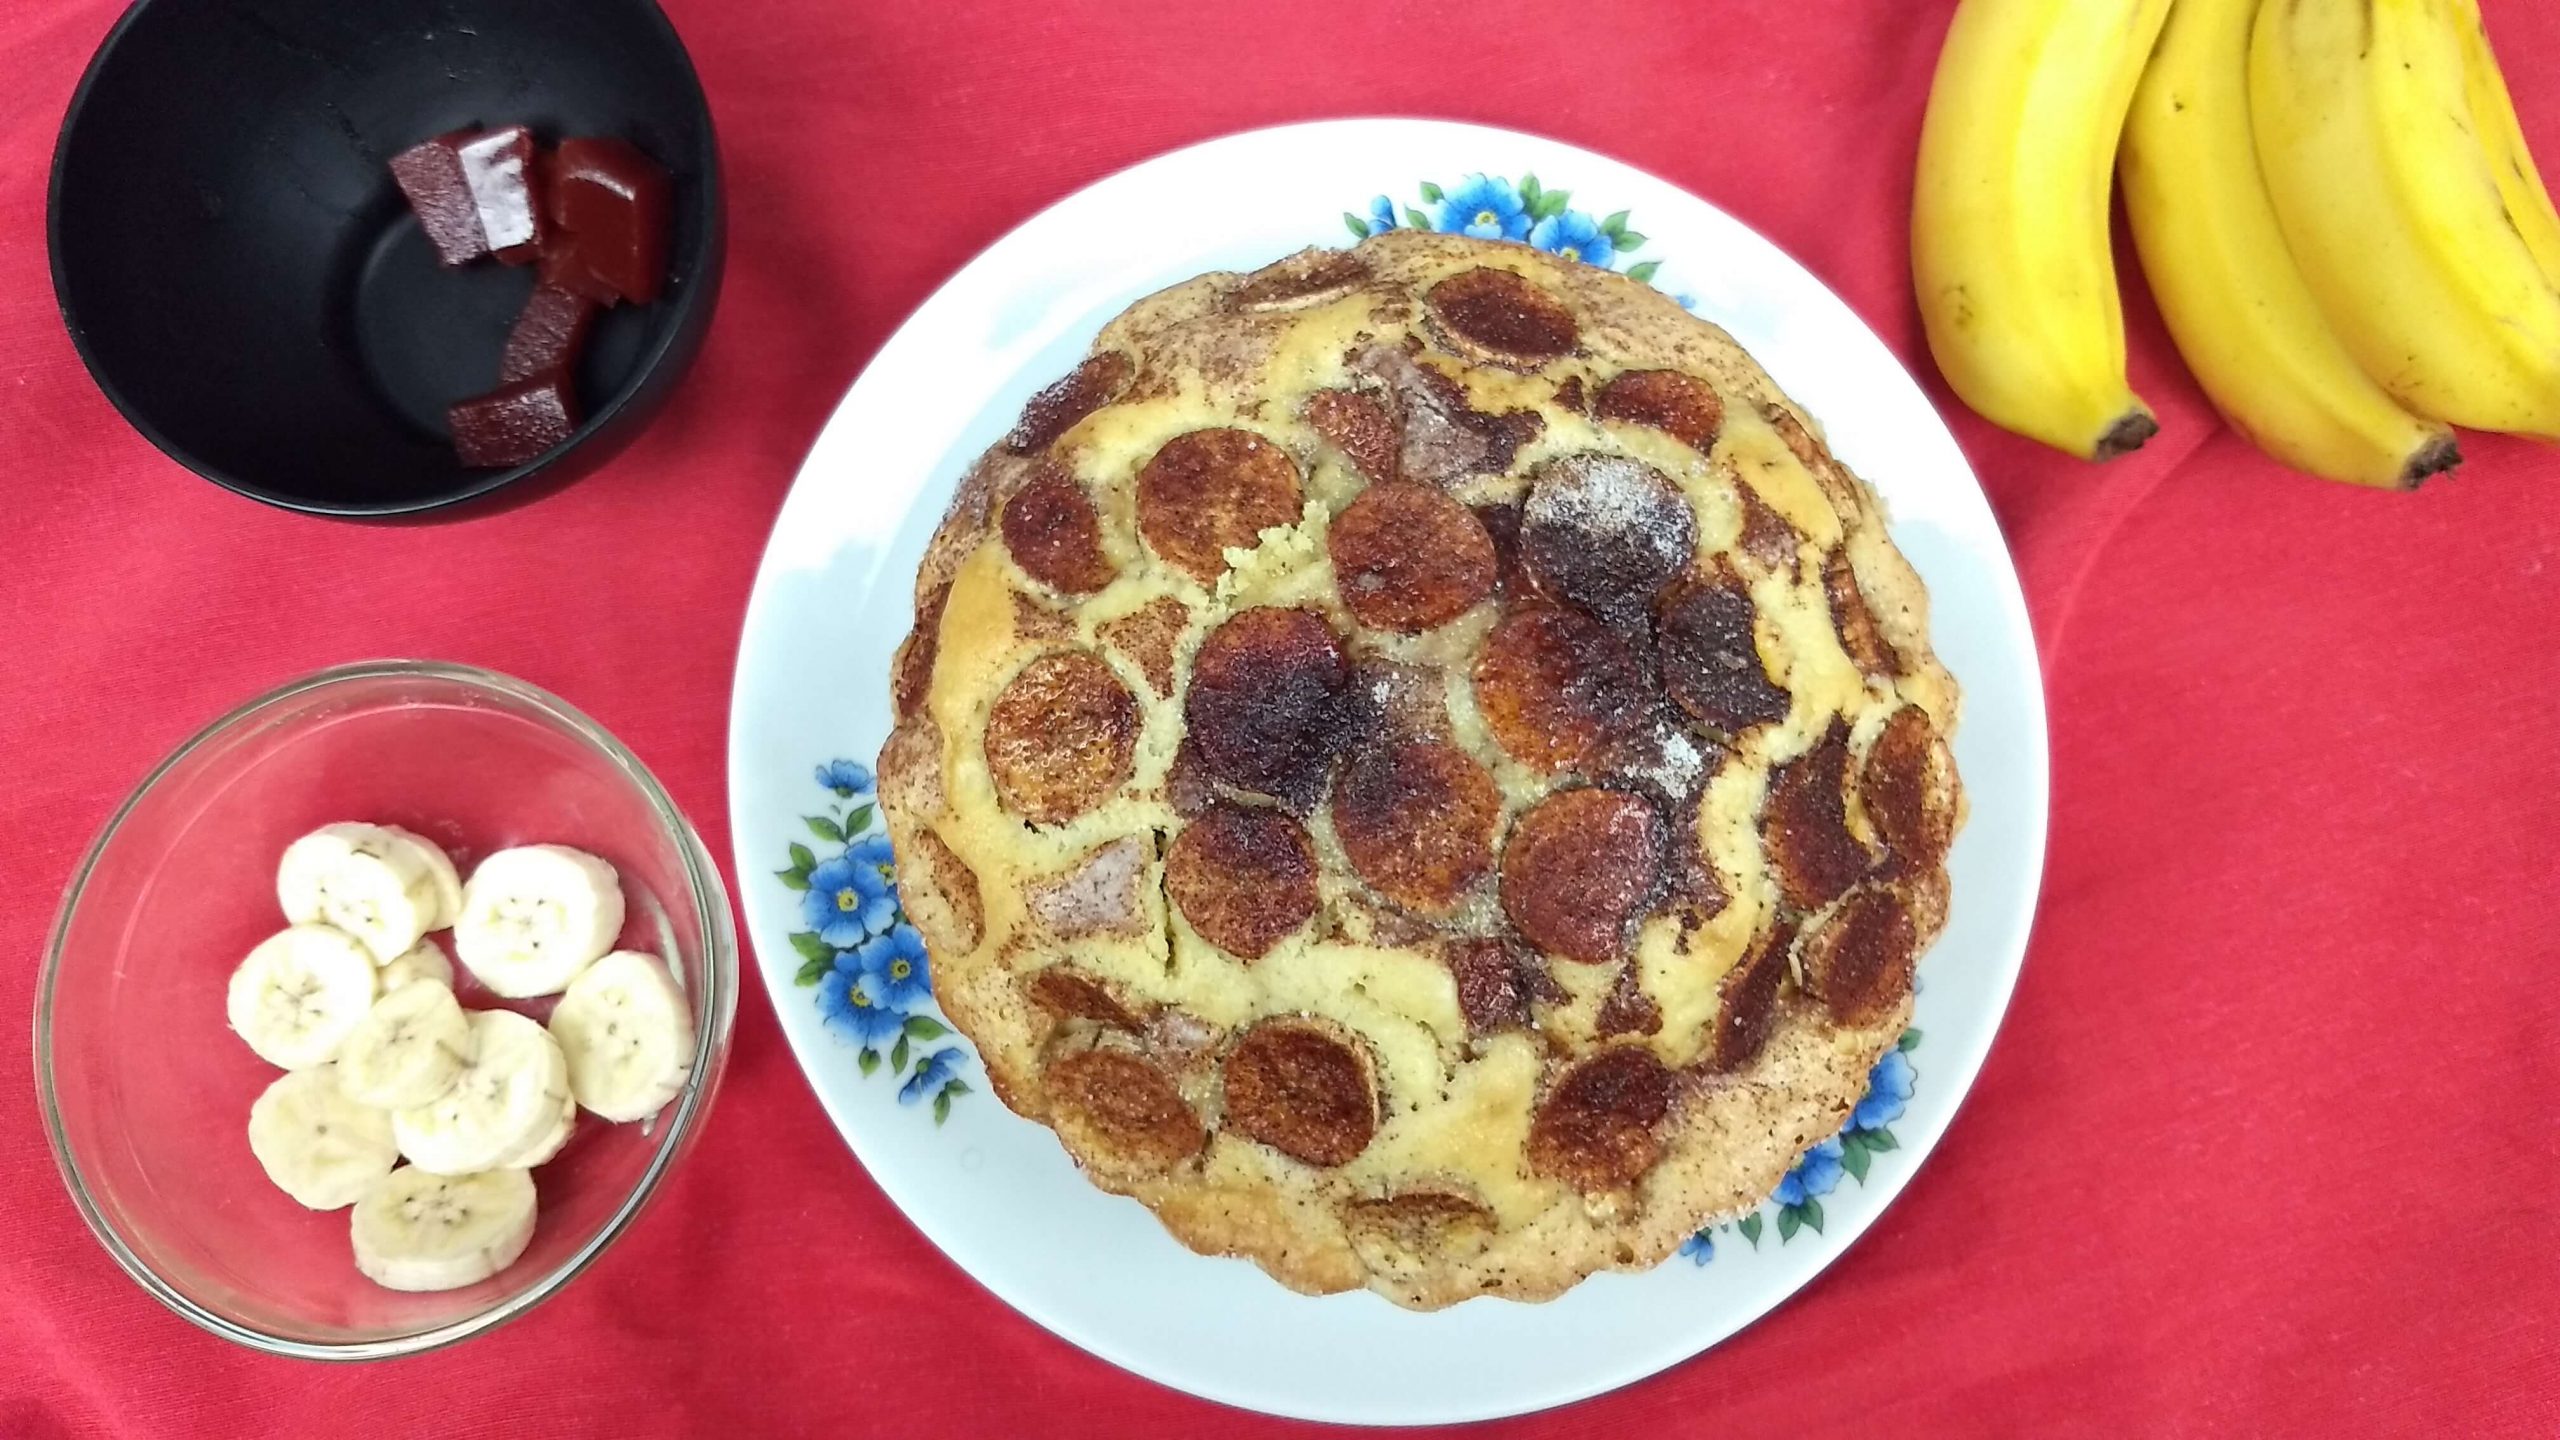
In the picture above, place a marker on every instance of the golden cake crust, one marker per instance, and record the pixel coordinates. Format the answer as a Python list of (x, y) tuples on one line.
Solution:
[(1420, 767)]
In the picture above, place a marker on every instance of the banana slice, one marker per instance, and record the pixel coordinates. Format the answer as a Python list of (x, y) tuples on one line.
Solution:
[(534, 916), (628, 1034), (546, 1144), (407, 1050), (363, 879), (320, 1147), (299, 993), (424, 961), (440, 869), (417, 1230), (506, 1101)]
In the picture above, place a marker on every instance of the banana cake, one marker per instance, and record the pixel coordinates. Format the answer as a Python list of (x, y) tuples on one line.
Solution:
[(1422, 769)]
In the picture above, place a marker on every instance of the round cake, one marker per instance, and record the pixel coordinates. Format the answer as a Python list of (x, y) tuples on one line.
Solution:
[(1418, 765)]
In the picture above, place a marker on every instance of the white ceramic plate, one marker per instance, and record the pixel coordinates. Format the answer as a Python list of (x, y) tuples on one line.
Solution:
[(833, 600)]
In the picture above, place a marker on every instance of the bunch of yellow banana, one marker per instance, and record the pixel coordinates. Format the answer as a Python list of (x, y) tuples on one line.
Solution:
[(2332, 200)]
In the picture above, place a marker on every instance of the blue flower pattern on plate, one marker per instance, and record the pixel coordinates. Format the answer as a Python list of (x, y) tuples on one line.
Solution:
[(851, 1012), (850, 896), (1575, 236), (873, 978), (1815, 1176), (1888, 1091), (892, 969), (847, 778), (1493, 207), (932, 1072), (1486, 207)]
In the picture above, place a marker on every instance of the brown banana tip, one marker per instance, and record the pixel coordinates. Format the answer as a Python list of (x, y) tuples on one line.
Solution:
[(2437, 457), (2125, 436)]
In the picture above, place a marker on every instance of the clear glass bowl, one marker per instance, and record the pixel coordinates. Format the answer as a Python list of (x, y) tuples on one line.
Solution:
[(146, 1092)]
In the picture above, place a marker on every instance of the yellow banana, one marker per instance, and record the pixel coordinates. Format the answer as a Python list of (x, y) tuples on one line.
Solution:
[(2009, 245), (2493, 115), (2241, 314), (2393, 211)]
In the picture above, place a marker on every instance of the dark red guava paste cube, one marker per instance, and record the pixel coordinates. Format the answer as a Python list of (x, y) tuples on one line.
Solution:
[(514, 423), (430, 176), (547, 336), (562, 268), (499, 167), (612, 201)]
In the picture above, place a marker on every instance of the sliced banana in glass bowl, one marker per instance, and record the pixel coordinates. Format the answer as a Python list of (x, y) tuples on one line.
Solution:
[(380, 1009)]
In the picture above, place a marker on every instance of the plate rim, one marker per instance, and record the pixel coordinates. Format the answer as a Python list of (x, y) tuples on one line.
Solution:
[(1961, 1067)]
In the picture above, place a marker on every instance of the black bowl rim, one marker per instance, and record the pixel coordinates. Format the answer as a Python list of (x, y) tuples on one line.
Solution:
[(708, 204)]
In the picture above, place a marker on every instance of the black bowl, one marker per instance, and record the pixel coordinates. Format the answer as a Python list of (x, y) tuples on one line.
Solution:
[(245, 282)]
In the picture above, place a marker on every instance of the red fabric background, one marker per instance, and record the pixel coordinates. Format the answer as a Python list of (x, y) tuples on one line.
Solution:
[(2266, 1147)]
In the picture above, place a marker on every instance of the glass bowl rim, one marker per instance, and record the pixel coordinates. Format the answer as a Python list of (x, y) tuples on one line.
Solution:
[(710, 900)]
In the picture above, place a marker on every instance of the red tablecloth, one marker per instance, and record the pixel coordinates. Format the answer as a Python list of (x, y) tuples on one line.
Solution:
[(2267, 1145)]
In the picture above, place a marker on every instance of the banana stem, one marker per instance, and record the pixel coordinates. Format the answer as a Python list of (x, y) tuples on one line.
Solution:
[(2125, 436)]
